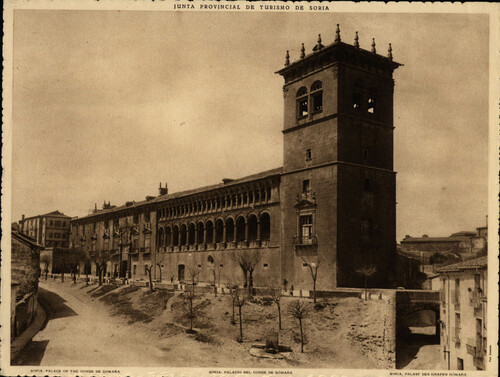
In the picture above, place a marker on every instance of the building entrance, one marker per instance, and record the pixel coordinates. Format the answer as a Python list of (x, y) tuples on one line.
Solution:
[(180, 273)]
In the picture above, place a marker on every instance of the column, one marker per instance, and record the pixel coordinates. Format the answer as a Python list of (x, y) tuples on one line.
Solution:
[(196, 234), (258, 230), (214, 240), (246, 230), (204, 234), (224, 233)]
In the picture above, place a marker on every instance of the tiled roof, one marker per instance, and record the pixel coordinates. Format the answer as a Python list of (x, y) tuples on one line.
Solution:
[(56, 214), (470, 264), (180, 194), (432, 239), (52, 214)]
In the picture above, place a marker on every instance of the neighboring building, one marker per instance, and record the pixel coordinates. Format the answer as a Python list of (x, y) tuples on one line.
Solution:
[(463, 289), (433, 252), (333, 202), (25, 261), (55, 260), (49, 230)]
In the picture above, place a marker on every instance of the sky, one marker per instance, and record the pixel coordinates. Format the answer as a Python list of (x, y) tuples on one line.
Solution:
[(108, 104)]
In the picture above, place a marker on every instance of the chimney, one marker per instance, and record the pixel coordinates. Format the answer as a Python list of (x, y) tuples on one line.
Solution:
[(227, 180), (22, 218), (163, 190)]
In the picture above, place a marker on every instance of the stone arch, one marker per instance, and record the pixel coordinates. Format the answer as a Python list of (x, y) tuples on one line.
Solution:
[(168, 236), (265, 226), (209, 226), (183, 234), (230, 229), (161, 237), (175, 235), (200, 227), (240, 228), (252, 227), (191, 230)]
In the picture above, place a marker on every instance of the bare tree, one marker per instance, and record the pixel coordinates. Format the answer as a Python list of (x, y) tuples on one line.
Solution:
[(366, 271), (45, 259), (298, 310), (238, 300), (276, 297), (313, 264), (149, 270), (100, 258), (247, 260), (159, 263)]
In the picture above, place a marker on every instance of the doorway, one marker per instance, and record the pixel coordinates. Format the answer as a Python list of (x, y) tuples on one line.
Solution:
[(180, 273)]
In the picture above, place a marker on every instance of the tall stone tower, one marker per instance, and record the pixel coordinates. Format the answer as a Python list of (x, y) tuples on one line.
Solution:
[(338, 188)]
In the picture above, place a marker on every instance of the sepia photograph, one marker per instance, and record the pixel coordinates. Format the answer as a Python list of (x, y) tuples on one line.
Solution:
[(249, 188)]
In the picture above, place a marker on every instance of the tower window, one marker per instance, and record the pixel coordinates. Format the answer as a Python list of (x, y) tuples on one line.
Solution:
[(356, 100), (317, 96), (302, 103), (306, 185), (367, 185), (308, 154), (371, 105)]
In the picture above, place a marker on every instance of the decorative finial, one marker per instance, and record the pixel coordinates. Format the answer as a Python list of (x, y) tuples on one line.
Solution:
[(302, 52), (356, 40), (389, 54), (374, 50), (318, 46), (287, 59), (337, 34)]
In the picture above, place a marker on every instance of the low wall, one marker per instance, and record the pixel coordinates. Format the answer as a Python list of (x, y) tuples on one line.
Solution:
[(25, 313)]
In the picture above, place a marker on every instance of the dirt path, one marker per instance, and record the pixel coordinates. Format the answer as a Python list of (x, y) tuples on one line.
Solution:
[(80, 331)]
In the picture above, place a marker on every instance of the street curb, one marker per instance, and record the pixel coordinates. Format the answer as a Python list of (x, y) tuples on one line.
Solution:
[(20, 342)]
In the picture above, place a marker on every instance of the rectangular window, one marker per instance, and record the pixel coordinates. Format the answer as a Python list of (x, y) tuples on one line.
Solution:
[(356, 100), (136, 218), (147, 241), (317, 101), (457, 291), (367, 185), (265, 265), (50, 235), (308, 154), (371, 105), (457, 328), (147, 217), (302, 107), (306, 229), (306, 185), (135, 270)]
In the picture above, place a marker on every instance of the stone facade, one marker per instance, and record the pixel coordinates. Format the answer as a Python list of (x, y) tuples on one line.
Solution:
[(463, 289), (331, 206), (49, 230), (25, 260)]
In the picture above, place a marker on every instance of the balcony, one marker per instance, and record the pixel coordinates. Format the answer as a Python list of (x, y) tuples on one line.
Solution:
[(145, 250), (133, 250), (476, 299), (305, 241)]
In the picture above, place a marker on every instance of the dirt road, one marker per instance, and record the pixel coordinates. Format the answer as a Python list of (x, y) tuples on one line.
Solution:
[(81, 332)]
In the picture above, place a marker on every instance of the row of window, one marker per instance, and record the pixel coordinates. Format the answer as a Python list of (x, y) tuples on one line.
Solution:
[(228, 230), (58, 223), (312, 102), (225, 202), (57, 235)]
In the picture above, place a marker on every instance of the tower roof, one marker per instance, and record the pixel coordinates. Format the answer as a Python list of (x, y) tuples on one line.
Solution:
[(338, 52)]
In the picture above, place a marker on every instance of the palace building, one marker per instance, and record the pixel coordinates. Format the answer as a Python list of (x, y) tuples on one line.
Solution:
[(331, 206)]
